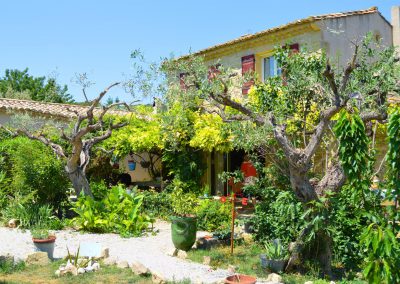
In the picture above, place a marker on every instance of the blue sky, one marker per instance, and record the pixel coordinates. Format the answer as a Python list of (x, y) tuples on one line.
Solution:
[(97, 37)]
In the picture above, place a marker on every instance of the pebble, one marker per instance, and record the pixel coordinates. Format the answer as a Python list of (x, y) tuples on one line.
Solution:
[(150, 250)]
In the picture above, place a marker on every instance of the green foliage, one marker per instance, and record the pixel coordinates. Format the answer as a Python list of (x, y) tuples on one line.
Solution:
[(33, 170), (186, 167), (74, 259), (40, 233), (183, 204), (354, 150), (213, 215), (20, 85), (7, 266), (99, 189), (143, 133), (278, 213), (382, 248), (117, 212), (31, 215), (157, 204), (378, 239), (346, 225), (275, 250), (393, 161), (100, 170)]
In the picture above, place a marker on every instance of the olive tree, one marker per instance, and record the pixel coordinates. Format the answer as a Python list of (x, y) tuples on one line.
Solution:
[(298, 109), (90, 128)]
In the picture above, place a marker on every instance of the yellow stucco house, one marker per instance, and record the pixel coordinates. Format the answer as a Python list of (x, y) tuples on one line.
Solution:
[(254, 52)]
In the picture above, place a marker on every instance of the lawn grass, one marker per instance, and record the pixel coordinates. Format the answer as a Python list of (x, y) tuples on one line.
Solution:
[(45, 274), (246, 259)]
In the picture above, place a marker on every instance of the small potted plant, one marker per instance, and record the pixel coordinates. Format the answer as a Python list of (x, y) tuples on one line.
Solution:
[(275, 256), (43, 241), (184, 223)]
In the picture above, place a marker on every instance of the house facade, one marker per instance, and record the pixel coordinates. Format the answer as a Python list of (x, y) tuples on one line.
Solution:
[(136, 165), (333, 33)]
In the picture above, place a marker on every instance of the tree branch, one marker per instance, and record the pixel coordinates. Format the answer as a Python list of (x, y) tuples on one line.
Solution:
[(55, 147), (349, 69), (330, 76)]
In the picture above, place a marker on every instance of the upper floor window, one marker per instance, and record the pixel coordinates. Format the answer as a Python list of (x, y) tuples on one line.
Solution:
[(270, 67)]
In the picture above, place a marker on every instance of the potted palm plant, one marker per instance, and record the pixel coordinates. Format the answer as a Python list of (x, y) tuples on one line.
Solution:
[(43, 241), (275, 256), (184, 223)]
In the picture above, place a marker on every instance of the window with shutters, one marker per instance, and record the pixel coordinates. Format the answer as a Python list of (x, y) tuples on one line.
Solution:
[(268, 65), (270, 68), (248, 67)]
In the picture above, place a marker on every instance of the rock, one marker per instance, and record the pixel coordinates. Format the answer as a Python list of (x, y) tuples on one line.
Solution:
[(109, 261), (122, 264), (182, 254), (308, 282), (231, 269), (81, 270), (139, 269), (105, 253), (7, 258), (70, 269), (57, 273), (273, 277), (206, 260), (13, 223), (292, 246), (247, 238), (96, 266), (89, 269), (82, 261), (37, 258), (173, 252), (158, 278)]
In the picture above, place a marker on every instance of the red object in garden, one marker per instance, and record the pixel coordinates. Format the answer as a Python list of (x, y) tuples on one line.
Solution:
[(244, 201), (248, 169), (240, 278), (223, 199)]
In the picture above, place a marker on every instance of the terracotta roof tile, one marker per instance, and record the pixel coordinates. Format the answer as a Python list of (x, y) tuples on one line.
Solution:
[(285, 26), (66, 111)]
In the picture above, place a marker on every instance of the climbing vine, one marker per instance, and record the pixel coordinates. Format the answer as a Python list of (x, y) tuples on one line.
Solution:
[(354, 152)]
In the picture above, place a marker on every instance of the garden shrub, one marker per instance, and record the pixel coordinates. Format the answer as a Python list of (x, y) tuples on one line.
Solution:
[(32, 169), (213, 215), (186, 169), (100, 170), (277, 216), (31, 215), (8, 266), (118, 212), (99, 189), (157, 204)]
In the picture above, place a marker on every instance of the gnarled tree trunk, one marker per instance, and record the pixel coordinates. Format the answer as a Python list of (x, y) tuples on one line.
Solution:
[(79, 181), (306, 192)]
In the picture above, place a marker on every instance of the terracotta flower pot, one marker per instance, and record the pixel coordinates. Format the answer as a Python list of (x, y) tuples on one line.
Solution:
[(240, 278), (45, 245)]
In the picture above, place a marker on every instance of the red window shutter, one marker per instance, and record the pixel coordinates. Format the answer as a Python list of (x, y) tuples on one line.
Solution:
[(248, 65), (294, 47), (182, 81), (213, 71)]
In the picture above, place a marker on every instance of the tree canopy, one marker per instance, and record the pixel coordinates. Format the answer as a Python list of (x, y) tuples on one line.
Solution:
[(18, 84)]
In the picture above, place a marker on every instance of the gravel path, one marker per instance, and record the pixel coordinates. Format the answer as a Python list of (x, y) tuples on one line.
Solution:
[(151, 251)]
